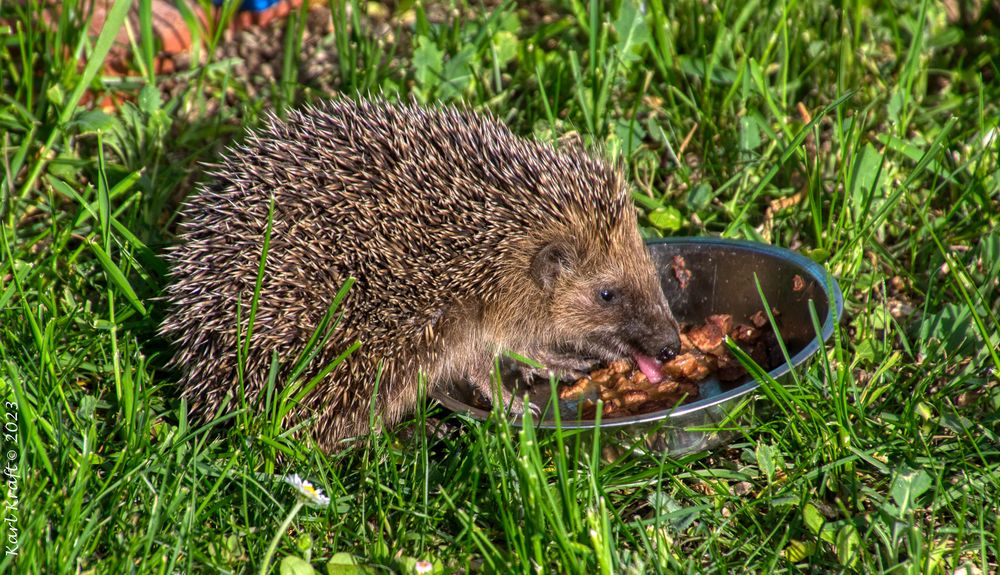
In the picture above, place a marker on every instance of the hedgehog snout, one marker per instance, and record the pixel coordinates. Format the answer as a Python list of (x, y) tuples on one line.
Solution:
[(659, 334), (663, 345), (672, 336)]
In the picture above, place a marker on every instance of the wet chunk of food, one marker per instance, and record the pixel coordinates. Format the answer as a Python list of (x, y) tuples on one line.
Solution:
[(681, 272), (626, 391)]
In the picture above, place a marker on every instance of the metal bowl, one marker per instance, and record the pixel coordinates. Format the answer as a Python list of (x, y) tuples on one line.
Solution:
[(722, 280)]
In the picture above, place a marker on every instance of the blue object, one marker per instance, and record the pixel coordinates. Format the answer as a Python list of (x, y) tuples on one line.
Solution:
[(251, 5)]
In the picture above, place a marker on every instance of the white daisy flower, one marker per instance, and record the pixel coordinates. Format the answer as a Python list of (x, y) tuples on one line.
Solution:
[(307, 493), (423, 567)]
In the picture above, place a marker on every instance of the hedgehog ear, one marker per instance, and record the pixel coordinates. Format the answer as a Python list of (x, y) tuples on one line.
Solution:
[(553, 259)]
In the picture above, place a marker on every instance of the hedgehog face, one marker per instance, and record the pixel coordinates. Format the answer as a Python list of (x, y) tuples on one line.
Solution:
[(604, 306)]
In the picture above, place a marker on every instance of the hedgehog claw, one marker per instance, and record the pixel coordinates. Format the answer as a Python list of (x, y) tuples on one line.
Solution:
[(517, 406), (536, 411)]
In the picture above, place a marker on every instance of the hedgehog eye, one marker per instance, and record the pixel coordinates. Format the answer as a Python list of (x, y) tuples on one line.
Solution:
[(607, 295)]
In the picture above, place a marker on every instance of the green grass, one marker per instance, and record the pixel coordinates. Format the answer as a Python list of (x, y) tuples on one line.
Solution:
[(856, 132)]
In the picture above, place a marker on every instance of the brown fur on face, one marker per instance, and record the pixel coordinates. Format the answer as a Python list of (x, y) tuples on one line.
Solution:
[(466, 241), (591, 298)]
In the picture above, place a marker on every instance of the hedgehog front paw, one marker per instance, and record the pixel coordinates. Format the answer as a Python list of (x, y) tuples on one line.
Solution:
[(566, 368), (511, 403), (516, 406)]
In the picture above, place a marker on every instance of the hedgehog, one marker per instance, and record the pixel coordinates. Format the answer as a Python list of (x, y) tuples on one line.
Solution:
[(465, 242)]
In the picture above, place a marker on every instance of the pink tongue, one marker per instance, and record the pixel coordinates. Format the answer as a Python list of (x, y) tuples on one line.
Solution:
[(649, 367)]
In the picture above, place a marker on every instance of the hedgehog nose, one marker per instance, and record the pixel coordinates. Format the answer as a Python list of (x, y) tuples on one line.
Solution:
[(667, 353)]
